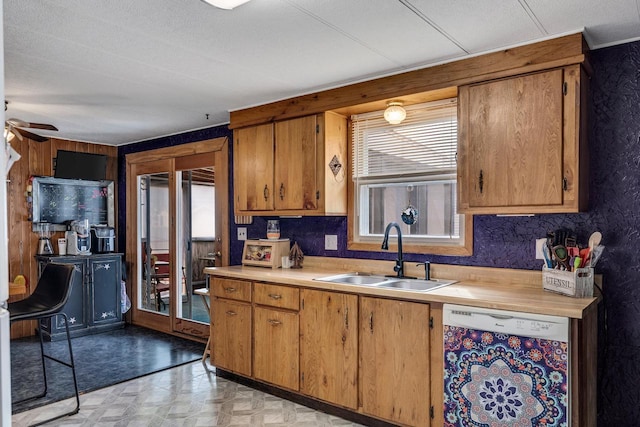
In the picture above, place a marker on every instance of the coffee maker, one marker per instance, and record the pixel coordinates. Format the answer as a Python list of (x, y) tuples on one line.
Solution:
[(78, 238), (103, 239)]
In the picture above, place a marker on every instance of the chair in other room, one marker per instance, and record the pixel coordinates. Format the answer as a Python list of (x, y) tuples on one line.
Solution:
[(47, 302)]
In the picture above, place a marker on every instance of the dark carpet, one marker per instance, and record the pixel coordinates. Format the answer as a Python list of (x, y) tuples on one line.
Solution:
[(101, 360)]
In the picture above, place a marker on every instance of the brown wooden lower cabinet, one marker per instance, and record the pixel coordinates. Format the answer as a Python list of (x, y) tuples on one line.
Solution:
[(231, 332), (369, 355), (329, 346), (394, 360), (275, 353)]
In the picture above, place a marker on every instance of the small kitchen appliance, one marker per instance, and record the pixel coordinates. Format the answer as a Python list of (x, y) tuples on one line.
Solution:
[(44, 241), (78, 238), (103, 239)]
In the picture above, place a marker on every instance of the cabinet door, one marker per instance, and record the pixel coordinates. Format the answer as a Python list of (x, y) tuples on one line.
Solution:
[(394, 360), (231, 335), (329, 347), (104, 290), (253, 168), (276, 348), (295, 173), (511, 138)]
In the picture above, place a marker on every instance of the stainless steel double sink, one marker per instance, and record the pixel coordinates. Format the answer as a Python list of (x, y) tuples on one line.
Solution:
[(365, 279)]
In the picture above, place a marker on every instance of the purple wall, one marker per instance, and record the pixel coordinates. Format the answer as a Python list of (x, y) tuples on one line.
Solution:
[(508, 241)]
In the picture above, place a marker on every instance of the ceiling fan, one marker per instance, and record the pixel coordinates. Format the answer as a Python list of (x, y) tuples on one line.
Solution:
[(16, 127)]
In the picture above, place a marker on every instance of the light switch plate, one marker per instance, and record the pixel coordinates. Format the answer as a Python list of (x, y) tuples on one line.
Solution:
[(539, 245), (242, 233), (330, 242)]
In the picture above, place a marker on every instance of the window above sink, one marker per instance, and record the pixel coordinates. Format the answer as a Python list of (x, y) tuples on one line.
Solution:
[(406, 173)]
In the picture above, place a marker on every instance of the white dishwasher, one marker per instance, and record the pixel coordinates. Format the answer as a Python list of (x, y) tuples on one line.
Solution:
[(504, 368)]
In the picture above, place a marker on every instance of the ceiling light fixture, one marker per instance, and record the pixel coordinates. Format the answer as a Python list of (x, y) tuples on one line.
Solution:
[(225, 4), (394, 113)]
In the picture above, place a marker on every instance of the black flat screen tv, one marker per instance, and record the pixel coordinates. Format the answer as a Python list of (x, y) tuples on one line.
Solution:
[(77, 165)]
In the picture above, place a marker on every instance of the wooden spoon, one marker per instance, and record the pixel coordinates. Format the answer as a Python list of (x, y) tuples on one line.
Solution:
[(594, 240)]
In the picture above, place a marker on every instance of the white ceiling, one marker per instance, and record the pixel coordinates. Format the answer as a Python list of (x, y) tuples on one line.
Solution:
[(121, 71)]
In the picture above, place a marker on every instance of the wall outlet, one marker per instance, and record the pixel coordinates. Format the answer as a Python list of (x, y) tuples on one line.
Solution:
[(539, 245), (330, 242), (242, 233)]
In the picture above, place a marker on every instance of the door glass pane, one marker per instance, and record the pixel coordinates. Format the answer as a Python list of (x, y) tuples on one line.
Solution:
[(153, 254), (196, 240)]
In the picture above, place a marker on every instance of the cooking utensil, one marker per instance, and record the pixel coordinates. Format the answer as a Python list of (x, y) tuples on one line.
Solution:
[(577, 262), (594, 241), (584, 256), (595, 255), (560, 253), (21, 279), (547, 256)]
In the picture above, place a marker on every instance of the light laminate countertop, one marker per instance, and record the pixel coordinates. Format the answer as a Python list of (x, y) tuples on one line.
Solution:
[(496, 288)]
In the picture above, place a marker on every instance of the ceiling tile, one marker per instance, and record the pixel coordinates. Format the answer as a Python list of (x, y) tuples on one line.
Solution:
[(481, 25), (605, 21)]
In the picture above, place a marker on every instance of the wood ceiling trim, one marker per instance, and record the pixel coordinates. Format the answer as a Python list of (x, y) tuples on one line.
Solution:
[(560, 51)]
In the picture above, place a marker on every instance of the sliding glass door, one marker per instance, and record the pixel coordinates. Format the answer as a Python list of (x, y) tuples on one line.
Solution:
[(196, 238), (177, 202), (155, 250)]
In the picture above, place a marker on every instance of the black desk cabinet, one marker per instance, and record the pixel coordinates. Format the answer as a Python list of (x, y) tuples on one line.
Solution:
[(94, 303)]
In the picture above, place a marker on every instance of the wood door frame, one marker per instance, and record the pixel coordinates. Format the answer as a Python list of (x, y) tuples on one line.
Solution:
[(219, 148)]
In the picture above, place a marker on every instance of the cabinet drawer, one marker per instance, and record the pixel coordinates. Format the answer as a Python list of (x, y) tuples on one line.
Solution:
[(277, 296), (232, 289)]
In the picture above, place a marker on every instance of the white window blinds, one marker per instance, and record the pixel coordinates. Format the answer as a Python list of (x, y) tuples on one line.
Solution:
[(424, 143)]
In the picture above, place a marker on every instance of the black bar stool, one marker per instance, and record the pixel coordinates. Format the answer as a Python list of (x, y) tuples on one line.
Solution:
[(50, 295)]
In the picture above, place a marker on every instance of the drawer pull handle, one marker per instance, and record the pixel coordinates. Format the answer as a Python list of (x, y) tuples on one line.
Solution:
[(230, 289), (282, 191), (231, 313), (275, 322), (275, 296), (371, 322), (265, 193)]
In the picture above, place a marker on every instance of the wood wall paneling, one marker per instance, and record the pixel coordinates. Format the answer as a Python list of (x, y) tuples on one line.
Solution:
[(37, 160)]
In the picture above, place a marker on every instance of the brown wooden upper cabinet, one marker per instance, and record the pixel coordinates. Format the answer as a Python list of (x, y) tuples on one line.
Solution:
[(522, 144), (288, 167)]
